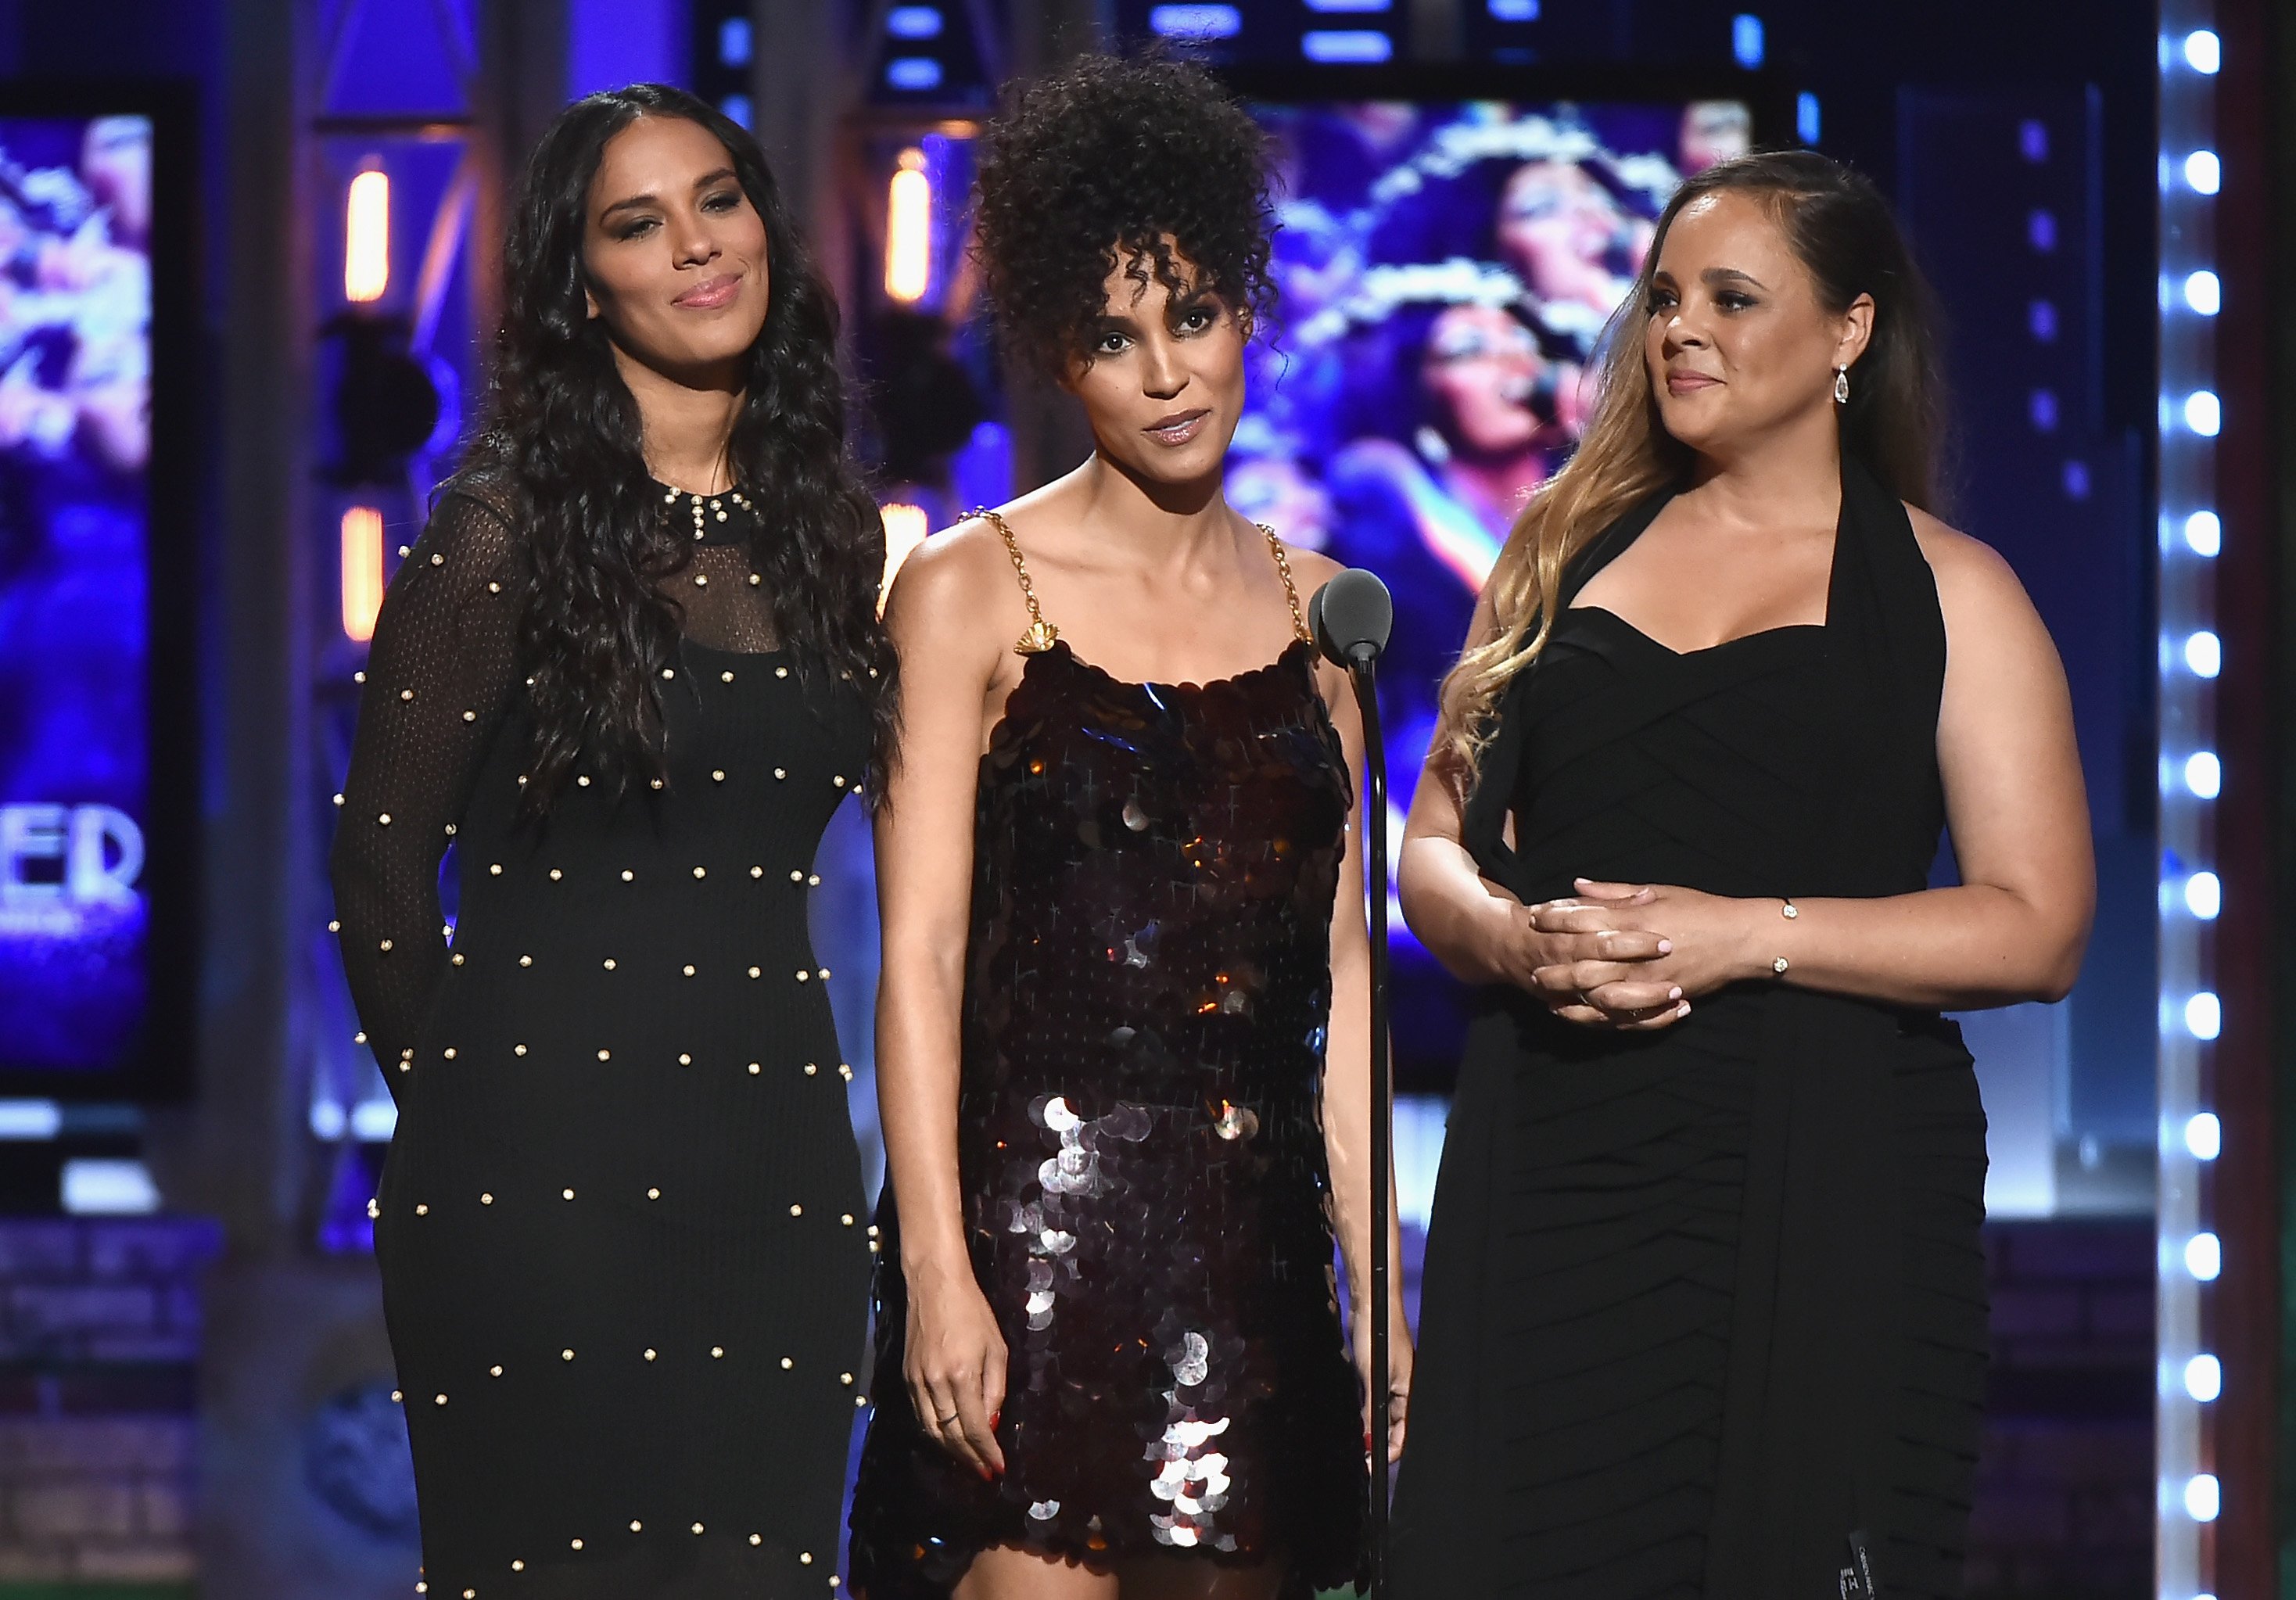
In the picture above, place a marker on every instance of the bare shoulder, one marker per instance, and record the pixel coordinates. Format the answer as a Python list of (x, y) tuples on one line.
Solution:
[(1311, 569), (959, 580), (1990, 622), (1975, 585)]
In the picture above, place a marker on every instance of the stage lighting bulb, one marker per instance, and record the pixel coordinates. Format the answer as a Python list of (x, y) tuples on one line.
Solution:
[(362, 572), (906, 526), (908, 230), (1195, 22), (2205, 413), (1347, 46), (2203, 51), (1746, 42), (2203, 533), (2204, 1257), (2204, 1136), (2204, 172), (2204, 292), (2201, 1498), (2204, 654), (2204, 896), (2203, 775), (916, 74), (2204, 1015), (367, 237), (2204, 1378)]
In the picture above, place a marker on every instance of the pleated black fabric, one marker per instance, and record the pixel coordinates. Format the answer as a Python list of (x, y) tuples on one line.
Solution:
[(1704, 1309)]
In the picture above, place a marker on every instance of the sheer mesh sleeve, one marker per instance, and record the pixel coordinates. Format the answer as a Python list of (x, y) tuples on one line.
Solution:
[(438, 676)]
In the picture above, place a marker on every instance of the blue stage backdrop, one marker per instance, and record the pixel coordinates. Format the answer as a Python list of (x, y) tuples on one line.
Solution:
[(76, 635)]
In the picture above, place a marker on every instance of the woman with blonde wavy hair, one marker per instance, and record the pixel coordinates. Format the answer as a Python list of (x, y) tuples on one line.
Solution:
[(1704, 1307)]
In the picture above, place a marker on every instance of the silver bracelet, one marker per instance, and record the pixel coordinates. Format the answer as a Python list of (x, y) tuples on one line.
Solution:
[(1788, 911)]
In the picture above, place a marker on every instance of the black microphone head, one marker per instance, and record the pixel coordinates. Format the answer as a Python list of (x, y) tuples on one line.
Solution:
[(1350, 616)]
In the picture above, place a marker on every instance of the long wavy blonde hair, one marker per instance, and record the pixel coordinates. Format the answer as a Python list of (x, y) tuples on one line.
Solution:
[(1844, 232)]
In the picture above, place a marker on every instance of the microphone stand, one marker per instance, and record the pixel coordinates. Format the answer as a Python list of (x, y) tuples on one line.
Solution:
[(1363, 675)]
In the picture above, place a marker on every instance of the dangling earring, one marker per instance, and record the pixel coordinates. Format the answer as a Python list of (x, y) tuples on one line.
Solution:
[(1841, 386)]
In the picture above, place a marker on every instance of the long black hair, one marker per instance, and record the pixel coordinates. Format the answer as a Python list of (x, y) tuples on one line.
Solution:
[(561, 442)]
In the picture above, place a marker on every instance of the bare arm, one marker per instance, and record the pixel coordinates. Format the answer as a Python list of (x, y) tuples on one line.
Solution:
[(955, 1361), (1468, 923), (1478, 930), (1346, 1071), (2015, 926)]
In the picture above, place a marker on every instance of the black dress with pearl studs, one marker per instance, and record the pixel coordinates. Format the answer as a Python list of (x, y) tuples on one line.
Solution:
[(624, 1260)]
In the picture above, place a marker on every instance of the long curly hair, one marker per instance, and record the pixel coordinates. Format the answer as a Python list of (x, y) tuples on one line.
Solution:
[(1105, 159), (560, 442), (1844, 232)]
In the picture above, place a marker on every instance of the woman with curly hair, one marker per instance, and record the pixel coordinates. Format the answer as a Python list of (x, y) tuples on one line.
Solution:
[(628, 672), (1123, 1030)]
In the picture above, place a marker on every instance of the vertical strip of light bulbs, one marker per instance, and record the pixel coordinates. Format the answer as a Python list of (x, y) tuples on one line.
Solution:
[(2192, 775)]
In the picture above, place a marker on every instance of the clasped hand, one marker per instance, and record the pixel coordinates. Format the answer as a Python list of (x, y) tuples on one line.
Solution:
[(1628, 956)]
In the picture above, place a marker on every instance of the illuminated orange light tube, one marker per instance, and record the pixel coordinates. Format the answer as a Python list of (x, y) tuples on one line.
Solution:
[(367, 237), (908, 230), (362, 571)]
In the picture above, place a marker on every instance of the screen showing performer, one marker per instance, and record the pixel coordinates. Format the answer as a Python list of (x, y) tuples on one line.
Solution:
[(1446, 269), (76, 202)]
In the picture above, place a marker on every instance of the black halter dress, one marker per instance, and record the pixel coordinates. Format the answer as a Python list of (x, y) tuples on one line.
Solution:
[(1704, 1309), (1148, 982)]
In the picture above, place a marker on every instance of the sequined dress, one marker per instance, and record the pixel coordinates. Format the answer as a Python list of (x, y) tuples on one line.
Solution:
[(1148, 983), (623, 1262)]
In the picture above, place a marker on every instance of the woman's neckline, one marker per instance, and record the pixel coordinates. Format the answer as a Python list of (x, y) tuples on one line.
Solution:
[(1063, 648), (724, 518), (1638, 523), (1782, 628)]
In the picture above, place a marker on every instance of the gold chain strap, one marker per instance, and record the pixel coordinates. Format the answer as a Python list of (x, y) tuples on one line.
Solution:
[(1042, 635), (1290, 589)]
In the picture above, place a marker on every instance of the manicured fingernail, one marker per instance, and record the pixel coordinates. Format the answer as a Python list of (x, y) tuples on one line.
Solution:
[(1666, 947), (995, 1416), (1674, 994), (1685, 1011)]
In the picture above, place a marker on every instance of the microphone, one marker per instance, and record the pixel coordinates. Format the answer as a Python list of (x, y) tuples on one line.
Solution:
[(1350, 616)]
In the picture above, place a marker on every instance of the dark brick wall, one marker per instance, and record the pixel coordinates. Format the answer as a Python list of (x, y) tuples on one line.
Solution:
[(99, 1345), (2064, 1479)]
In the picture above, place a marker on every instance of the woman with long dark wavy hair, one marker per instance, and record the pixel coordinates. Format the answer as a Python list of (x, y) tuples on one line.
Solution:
[(628, 672), (1704, 1305)]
